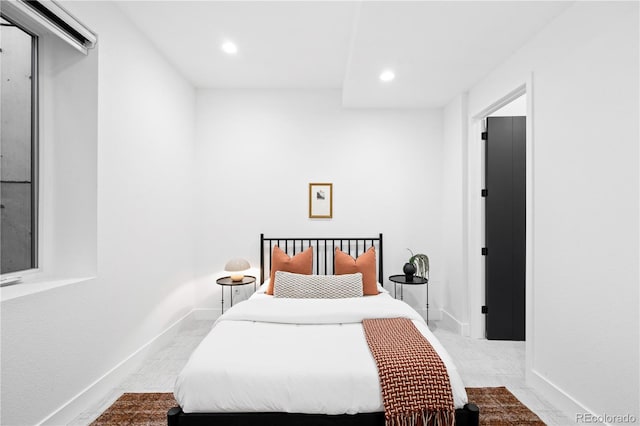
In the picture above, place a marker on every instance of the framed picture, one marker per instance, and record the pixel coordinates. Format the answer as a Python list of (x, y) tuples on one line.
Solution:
[(320, 200)]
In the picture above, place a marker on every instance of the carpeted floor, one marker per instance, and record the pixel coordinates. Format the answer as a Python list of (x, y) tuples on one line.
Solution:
[(497, 406)]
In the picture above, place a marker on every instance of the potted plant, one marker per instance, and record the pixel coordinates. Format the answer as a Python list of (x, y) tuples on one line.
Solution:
[(418, 264)]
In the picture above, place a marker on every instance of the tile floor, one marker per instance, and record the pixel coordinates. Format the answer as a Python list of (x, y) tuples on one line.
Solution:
[(480, 362), (159, 371), (485, 363)]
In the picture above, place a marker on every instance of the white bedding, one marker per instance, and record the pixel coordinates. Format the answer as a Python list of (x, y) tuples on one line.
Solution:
[(295, 355)]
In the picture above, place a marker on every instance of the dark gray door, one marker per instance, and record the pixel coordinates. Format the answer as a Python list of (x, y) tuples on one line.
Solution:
[(505, 227)]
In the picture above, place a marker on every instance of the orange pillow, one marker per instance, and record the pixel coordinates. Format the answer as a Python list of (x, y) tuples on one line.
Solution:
[(365, 264), (301, 263)]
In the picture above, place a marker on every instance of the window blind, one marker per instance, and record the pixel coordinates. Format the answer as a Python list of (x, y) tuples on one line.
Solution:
[(47, 14)]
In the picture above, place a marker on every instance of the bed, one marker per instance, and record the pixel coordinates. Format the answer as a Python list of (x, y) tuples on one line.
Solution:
[(288, 361)]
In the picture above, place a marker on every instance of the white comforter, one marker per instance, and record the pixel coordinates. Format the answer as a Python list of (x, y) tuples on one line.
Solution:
[(295, 355)]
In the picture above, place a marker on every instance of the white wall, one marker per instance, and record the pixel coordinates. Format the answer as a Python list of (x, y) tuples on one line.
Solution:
[(258, 151), (455, 297), (586, 218), (583, 350), (55, 343), (68, 145)]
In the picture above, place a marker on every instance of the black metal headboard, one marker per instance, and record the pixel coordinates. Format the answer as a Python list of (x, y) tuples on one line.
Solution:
[(323, 250)]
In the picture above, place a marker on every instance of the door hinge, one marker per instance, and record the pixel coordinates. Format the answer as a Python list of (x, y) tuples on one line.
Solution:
[(484, 135), (483, 193), (484, 251), (484, 310)]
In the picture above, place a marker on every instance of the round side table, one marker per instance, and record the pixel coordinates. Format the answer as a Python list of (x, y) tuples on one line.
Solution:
[(402, 280), (227, 281)]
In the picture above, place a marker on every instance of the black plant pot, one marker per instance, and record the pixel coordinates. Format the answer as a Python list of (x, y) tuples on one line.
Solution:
[(409, 271)]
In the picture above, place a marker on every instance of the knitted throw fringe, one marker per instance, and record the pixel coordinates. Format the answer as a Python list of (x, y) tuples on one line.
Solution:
[(434, 418)]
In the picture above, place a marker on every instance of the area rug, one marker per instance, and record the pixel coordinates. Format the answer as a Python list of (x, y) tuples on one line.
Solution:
[(138, 409), (500, 407), (497, 406)]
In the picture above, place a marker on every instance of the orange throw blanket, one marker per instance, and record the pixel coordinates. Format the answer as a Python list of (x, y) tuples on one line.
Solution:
[(415, 385)]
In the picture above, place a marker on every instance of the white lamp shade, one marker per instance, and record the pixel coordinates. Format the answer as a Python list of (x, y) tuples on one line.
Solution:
[(237, 265)]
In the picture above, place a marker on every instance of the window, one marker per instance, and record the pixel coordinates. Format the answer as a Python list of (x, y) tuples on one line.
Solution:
[(18, 148), (48, 170)]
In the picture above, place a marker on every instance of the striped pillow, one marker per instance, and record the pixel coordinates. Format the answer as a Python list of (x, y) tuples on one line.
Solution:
[(298, 286)]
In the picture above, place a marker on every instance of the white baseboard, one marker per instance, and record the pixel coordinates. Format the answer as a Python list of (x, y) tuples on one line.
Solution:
[(434, 314), (555, 395), (450, 322), (94, 393)]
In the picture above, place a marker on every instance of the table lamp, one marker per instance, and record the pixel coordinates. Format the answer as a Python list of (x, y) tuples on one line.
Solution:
[(236, 267)]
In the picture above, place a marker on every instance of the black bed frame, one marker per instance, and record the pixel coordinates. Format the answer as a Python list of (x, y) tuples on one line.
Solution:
[(323, 251), (323, 264)]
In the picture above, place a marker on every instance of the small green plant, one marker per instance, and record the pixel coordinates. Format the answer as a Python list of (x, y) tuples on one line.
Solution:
[(421, 262)]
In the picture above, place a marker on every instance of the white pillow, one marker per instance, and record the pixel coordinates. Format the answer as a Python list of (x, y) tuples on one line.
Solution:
[(299, 286), (265, 285)]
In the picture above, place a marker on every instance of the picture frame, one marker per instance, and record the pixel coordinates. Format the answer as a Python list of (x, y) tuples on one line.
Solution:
[(320, 200)]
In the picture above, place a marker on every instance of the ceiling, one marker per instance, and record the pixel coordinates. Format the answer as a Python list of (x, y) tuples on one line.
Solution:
[(437, 49)]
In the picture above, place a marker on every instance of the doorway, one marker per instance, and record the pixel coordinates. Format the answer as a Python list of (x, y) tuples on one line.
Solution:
[(501, 104)]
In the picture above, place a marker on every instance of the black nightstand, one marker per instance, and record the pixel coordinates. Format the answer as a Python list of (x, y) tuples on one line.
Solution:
[(402, 280), (226, 281)]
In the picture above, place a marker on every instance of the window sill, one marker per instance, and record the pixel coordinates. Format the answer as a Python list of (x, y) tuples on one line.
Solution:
[(31, 286)]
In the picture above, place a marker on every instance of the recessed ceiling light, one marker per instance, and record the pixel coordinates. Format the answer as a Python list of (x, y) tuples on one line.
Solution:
[(387, 75), (229, 47)]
